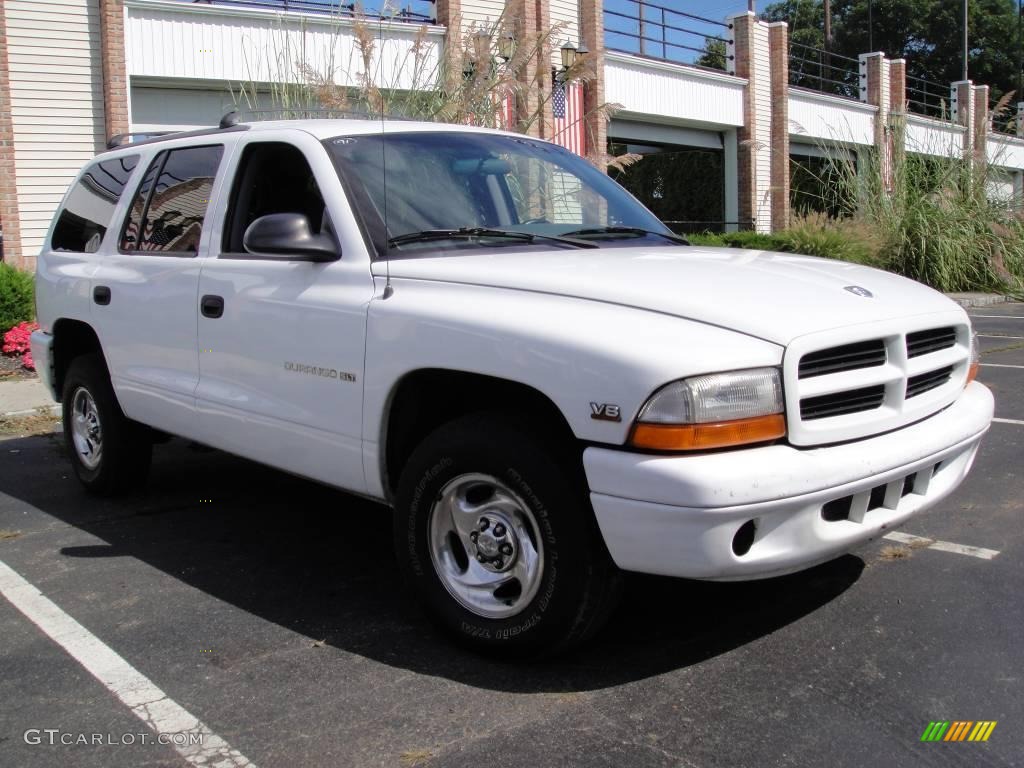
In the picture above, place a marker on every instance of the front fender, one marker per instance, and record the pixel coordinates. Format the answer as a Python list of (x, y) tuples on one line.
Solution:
[(581, 354)]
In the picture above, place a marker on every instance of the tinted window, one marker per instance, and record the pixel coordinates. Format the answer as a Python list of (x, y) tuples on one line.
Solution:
[(90, 205), (272, 177), (168, 211)]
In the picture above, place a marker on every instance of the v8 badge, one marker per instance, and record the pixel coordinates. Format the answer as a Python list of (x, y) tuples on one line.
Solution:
[(605, 412)]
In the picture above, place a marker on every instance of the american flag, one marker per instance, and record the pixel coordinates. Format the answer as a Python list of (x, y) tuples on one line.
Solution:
[(567, 108)]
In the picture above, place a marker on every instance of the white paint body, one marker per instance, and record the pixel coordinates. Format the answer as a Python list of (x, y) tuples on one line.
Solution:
[(578, 326)]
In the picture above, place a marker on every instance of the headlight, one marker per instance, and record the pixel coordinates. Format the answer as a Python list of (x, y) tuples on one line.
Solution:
[(972, 369), (715, 411)]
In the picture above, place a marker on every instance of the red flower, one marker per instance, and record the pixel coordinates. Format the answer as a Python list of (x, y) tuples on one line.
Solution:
[(17, 341)]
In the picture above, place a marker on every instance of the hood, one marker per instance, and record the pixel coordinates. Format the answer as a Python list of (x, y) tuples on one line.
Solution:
[(772, 296)]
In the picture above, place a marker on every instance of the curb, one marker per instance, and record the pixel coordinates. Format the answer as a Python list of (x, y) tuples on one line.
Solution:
[(968, 300), (53, 409)]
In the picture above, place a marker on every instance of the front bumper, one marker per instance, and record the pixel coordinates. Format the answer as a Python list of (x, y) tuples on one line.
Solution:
[(680, 515), (42, 354)]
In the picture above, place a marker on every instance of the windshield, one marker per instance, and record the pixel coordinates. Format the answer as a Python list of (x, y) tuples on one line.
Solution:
[(420, 192)]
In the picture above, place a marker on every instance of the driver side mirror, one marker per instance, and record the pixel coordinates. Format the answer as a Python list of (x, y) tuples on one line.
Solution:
[(288, 237)]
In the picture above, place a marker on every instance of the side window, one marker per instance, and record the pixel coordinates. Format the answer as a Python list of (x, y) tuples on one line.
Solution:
[(89, 208), (167, 214), (272, 177)]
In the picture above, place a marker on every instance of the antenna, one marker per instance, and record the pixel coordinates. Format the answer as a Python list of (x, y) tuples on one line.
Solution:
[(388, 289)]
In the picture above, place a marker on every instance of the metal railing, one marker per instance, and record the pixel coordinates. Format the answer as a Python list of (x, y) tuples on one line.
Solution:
[(928, 98), (818, 70), (418, 11), (1004, 117), (648, 29)]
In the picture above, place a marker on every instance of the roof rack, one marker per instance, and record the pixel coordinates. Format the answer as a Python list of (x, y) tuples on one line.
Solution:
[(121, 139)]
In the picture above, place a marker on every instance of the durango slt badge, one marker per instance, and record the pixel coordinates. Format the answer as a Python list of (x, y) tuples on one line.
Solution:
[(858, 291), (314, 370)]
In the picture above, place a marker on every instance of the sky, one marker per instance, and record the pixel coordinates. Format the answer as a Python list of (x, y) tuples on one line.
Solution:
[(689, 33)]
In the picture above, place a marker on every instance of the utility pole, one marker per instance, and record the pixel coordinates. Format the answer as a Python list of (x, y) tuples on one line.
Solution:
[(871, 26), (964, 77), (828, 25)]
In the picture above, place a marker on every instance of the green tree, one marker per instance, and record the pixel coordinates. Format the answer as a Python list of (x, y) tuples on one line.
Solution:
[(927, 33), (713, 56)]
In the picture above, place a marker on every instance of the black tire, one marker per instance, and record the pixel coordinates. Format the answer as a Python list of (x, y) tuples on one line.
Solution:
[(126, 453), (578, 583)]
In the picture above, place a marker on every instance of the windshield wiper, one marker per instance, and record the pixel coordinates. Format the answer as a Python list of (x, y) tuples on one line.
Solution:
[(447, 234), (626, 231)]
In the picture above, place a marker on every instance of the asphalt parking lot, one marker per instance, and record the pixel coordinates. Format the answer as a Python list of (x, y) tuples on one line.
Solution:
[(269, 609)]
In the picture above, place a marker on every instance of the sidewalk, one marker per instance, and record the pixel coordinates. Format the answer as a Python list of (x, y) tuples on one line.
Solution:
[(23, 397)]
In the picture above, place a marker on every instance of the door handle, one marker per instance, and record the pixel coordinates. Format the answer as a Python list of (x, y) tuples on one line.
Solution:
[(212, 306), (101, 295)]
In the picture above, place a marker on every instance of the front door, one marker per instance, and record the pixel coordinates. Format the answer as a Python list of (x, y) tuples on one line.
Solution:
[(281, 342)]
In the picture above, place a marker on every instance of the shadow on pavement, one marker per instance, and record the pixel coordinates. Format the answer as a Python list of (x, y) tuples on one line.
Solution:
[(319, 562)]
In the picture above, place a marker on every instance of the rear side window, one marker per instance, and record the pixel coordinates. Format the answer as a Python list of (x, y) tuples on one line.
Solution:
[(89, 209), (167, 213)]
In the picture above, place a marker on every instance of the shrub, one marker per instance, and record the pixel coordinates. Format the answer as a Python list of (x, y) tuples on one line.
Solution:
[(16, 298), (17, 342)]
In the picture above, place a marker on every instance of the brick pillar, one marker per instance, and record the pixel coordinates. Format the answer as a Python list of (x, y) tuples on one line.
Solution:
[(982, 124), (898, 86), (115, 75), (449, 15), (524, 23), (9, 216), (876, 91), (545, 66), (961, 96), (778, 45), (592, 36), (751, 60)]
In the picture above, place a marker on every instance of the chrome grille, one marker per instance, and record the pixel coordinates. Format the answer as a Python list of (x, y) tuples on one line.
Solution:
[(849, 383), (932, 340), (841, 403), (923, 382), (848, 357)]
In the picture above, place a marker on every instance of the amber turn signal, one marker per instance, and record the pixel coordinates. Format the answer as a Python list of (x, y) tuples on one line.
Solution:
[(972, 371), (702, 437)]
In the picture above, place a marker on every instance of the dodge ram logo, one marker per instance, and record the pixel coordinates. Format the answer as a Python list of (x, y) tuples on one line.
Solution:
[(856, 290)]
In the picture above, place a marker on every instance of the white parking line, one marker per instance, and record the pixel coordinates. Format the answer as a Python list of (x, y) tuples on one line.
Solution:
[(997, 336), (1000, 365), (1009, 421), (942, 546), (149, 703), (1001, 317)]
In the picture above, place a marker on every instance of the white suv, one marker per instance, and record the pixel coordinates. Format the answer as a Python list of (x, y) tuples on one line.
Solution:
[(489, 335)]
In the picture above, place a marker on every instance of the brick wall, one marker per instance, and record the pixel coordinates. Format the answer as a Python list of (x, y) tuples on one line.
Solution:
[(115, 77), (8, 186), (592, 36)]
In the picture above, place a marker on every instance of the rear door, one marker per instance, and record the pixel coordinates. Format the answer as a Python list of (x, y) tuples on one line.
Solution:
[(145, 292), (282, 341)]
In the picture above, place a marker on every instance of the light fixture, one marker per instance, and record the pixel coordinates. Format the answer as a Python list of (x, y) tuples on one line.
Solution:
[(569, 53), (506, 46)]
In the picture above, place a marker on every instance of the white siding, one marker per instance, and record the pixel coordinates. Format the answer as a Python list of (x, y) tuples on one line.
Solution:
[(564, 17), (481, 14), (820, 117), (665, 90), (933, 137), (1005, 151), (209, 42), (56, 103)]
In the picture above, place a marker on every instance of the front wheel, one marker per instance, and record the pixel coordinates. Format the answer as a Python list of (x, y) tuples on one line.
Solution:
[(497, 539)]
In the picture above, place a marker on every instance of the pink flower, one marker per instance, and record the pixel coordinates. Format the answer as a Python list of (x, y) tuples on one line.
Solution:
[(17, 341)]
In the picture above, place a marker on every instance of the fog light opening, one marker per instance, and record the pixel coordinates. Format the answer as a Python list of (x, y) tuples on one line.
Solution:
[(744, 538)]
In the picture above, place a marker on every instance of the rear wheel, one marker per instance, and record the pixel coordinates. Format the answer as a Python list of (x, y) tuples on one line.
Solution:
[(497, 539), (109, 452)]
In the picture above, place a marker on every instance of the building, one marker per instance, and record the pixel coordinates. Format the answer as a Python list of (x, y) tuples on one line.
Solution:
[(719, 142)]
